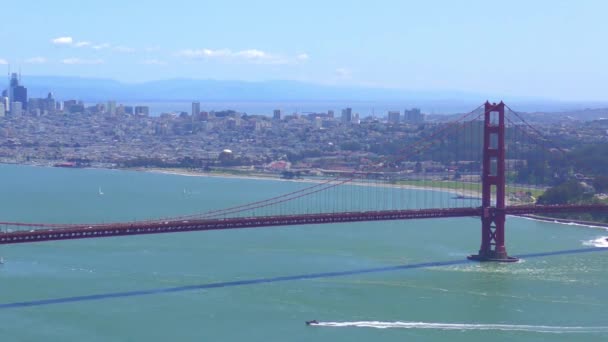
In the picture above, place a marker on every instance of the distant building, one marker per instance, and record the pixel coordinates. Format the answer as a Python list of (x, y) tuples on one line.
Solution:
[(111, 109), (2, 110), (393, 117), (142, 110), (330, 114), (77, 107), (129, 110), (12, 84), (196, 109), (347, 115), (277, 115), (16, 109), (413, 116), (4, 101)]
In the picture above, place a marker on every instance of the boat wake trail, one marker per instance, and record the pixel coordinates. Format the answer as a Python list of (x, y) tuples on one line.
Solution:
[(462, 326), (599, 242)]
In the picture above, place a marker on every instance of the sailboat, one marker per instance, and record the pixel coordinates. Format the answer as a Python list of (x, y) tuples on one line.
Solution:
[(100, 192)]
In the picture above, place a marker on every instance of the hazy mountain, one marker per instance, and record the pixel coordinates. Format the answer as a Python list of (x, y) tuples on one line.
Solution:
[(173, 90)]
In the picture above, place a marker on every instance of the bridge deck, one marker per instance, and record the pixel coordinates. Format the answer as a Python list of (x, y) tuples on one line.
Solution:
[(173, 226)]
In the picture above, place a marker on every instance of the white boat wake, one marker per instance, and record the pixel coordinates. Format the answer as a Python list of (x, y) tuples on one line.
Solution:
[(463, 326), (599, 242)]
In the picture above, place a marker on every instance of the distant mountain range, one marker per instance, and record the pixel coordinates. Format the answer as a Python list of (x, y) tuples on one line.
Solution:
[(177, 90)]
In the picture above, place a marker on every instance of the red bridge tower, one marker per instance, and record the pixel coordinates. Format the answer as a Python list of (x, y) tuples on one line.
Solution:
[(493, 214)]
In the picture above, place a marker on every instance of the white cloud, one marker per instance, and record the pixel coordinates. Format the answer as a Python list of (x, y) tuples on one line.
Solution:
[(101, 46), (36, 60), (152, 48), (153, 62), (3, 61), (254, 56), (204, 53), (74, 61), (62, 41), (83, 44)]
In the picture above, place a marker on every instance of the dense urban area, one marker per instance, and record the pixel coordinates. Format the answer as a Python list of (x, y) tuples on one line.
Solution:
[(71, 133)]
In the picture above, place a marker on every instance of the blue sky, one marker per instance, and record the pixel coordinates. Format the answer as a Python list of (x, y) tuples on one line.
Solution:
[(553, 49)]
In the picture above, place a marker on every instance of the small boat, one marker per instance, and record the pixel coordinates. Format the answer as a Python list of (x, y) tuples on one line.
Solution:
[(313, 322), (1, 261), (100, 192)]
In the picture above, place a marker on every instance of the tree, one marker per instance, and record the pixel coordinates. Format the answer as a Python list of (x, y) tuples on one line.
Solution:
[(569, 192)]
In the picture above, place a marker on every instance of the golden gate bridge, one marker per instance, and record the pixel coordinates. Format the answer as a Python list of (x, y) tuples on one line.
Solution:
[(485, 147)]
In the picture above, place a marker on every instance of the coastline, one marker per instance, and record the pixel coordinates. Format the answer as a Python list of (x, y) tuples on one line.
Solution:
[(191, 173), (569, 222)]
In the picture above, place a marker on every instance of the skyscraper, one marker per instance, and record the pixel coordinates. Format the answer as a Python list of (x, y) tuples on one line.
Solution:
[(196, 110), (276, 114), (2, 111), (20, 95), (413, 116), (111, 110), (17, 92), (393, 117), (347, 115)]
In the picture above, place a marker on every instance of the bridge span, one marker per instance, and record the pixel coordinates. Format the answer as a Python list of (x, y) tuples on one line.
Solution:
[(85, 231)]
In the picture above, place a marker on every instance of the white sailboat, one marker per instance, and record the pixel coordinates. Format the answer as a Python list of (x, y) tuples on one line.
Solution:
[(100, 192)]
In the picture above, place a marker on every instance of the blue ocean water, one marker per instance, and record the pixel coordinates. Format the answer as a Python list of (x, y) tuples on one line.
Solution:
[(384, 281)]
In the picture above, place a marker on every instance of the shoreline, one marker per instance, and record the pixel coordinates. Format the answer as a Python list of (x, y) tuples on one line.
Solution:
[(568, 222), (188, 173)]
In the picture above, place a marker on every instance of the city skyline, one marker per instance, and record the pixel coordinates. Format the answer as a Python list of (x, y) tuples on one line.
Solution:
[(541, 49)]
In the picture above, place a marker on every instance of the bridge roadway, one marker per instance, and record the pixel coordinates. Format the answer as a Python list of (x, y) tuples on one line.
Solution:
[(69, 232)]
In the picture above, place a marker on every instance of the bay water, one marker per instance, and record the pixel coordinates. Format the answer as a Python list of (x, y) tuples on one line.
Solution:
[(263, 284)]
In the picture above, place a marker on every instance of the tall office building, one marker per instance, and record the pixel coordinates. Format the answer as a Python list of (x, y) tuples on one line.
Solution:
[(196, 110), (12, 84), (277, 114), (2, 110), (413, 116), (111, 110), (347, 115), (17, 92), (393, 117)]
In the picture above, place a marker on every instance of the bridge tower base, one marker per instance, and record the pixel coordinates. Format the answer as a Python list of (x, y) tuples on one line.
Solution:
[(493, 215)]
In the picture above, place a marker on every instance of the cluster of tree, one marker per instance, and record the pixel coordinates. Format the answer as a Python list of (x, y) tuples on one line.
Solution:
[(569, 192)]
